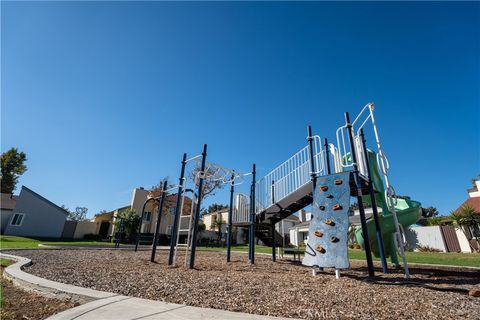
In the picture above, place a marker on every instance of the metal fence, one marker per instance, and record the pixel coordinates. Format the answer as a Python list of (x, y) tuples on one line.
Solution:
[(289, 176)]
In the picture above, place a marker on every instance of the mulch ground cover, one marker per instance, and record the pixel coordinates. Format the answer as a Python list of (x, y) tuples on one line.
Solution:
[(283, 288), (23, 305)]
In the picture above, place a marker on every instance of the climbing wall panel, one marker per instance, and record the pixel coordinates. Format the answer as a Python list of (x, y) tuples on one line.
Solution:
[(328, 232)]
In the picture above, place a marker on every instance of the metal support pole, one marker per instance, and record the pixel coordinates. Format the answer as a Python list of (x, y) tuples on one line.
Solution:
[(252, 219), (273, 191), (118, 234), (274, 258), (313, 175), (198, 208), (178, 205), (230, 217), (358, 187), (371, 190), (139, 230), (327, 156), (157, 226), (250, 227)]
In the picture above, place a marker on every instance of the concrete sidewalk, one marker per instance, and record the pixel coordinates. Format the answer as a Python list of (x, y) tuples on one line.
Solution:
[(128, 308), (99, 305)]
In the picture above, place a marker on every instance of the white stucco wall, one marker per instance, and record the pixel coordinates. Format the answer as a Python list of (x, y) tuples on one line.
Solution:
[(427, 236), (464, 244), (294, 237)]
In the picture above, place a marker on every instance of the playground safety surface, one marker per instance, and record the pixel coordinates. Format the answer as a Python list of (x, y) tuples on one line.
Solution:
[(21, 304), (276, 289)]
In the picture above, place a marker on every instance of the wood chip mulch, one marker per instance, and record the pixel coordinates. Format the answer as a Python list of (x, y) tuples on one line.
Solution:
[(283, 288), (24, 305)]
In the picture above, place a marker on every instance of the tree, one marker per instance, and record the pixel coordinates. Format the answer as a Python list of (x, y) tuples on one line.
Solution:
[(217, 225), (214, 207), (467, 220), (209, 185), (80, 214), (429, 212), (155, 190), (131, 221), (12, 166), (474, 180), (201, 226)]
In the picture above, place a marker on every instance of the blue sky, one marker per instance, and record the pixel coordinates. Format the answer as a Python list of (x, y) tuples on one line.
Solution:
[(104, 97)]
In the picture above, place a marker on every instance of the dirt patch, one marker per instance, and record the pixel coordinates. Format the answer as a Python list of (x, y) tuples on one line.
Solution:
[(24, 305), (267, 288)]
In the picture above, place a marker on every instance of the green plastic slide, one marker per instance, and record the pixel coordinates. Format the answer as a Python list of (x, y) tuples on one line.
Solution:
[(408, 212)]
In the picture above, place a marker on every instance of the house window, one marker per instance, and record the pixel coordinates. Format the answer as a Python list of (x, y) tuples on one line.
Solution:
[(147, 215), (169, 229), (171, 211), (17, 219)]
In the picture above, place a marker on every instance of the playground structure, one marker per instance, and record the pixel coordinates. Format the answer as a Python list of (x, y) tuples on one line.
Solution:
[(304, 179)]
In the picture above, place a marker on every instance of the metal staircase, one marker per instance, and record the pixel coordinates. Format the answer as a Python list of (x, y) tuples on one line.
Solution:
[(284, 190), (263, 231)]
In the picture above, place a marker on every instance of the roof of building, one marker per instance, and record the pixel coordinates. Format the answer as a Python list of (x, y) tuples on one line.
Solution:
[(293, 218), (44, 199), (8, 201), (471, 202), (301, 225), (474, 189), (111, 212), (216, 212)]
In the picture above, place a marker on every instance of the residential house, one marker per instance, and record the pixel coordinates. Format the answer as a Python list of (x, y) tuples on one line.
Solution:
[(240, 233), (35, 216), (106, 221), (446, 237), (470, 240), (7, 205), (211, 228)]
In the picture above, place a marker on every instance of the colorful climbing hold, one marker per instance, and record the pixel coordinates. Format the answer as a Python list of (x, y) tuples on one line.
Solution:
[(334, 239), (338, 182), (329, 222), (337, 207), (324, 188), (319, 233), (319, 248), (329, 196)]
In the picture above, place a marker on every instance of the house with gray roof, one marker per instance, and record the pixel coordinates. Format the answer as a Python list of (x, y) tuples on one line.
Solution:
[(7, 204), (35, 216)]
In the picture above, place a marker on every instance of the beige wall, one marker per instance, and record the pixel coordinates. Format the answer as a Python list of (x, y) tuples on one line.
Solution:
[(83, 228), (97, 220), (208, 219), (138, 199)]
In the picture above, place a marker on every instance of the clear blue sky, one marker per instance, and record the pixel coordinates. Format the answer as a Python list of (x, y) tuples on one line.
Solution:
[(104, 97)]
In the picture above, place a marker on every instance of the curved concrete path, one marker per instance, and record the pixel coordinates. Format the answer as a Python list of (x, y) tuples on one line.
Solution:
[(106, 305)]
